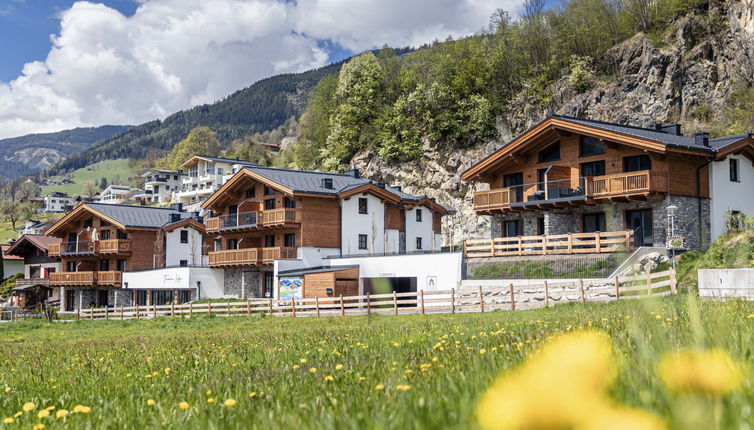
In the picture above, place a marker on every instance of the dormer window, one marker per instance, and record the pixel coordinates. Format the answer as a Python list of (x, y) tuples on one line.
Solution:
[(327, 183), (549, 154)]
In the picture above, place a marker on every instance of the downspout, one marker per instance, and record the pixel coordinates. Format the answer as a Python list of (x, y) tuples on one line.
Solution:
[(699, 197)]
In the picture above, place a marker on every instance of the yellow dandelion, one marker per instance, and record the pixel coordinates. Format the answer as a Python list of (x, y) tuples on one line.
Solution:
[(17, 414), (338, 367), (49, 408), (61, 413), (379, 387), (313, 370), (361, 378), (329, 378), (39, 426), (7, 389), (615, 418), (209, 392), (28, 406), (8, 420), (435, 359), (296, 366), (253, 394), (81, 409), (211, 400), (229, 402), (44, 413), (303, 361), (482, 351), (403, 387), (151, 402), (692, 372), (183, 406)]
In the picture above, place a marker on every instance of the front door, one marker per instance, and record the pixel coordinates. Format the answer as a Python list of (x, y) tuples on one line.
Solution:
[(515, 180), (102, 298), (640, 221), (70, 296)]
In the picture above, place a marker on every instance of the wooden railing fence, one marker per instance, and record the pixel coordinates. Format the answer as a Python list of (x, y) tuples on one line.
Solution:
[(477, 299), (570, 243)]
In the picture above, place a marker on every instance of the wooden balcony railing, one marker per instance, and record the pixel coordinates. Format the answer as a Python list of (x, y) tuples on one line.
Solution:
[(22, 282), (73, 278), (250, 256), (626, 184), (113, 246), (109, 278), (571, 243), (277, 253), (254, 219), (281, 216), (493, 198)]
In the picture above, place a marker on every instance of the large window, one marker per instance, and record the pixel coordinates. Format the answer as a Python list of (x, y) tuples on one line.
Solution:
[(734, 170), (418, 215), (232, 243), (289, 240), (551, 153), (184, 296), (637, 163), (595, 168), (121, 265), (251, 192), (122, 235), (105, 235), (269, 204), (269, 241), (161, 297), (593, 222), (512, 228), (141, 298), (590, 146), (290, 203), (363, 241), (363, 205), (184, 236), (104, 265)]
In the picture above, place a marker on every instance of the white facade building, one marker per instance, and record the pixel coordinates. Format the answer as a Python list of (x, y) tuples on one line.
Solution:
[(159, 186), (183, 244), (205, 175), (57, 202), (115, 194), (732, 189)]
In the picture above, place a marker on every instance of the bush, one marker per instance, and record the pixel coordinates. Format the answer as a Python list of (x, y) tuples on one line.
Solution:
[(581, 73)]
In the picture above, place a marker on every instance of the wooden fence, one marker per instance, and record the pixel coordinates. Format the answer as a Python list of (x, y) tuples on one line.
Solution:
[(505, 297), (570, 243)]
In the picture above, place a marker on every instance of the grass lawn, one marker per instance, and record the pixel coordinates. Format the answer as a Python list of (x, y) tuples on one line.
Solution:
[(327, 372), (94, 172)]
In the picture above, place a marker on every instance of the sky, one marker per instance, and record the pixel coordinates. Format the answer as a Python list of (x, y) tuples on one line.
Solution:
[(66, 63)]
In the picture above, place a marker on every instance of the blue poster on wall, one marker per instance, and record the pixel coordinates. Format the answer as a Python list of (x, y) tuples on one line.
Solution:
[(291, 288)]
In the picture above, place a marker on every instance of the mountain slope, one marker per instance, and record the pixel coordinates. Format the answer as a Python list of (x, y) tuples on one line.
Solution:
[(262, 106), (27, 154)]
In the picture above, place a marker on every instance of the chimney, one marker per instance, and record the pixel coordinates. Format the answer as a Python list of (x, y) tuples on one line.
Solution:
[(381, 184), (657, 126), (398, 187), (177, 207), (672, 129), (702, 139), (327, 183), (175, 218), (354, 173)]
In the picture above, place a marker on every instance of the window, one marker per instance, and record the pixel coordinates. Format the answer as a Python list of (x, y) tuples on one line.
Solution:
[(218, 245), (269, 241), (184, 236), (161, 297), (88, 223), (541, 179), (362, 205), (251, 192), (232, 243), (593, 222), (637, 163), (289, 240), (268, 191), (363, 241), (175, 177), (269, 204), (595, 168), (418, 215), (418, 243), (122, 235), (122, 265), (184, 296), (219, 171), (551, 153), (141, 298), (734, 170), (193, 171), (105, 235), (70, 266), (183, 263), (289, 203), (104, 223), (104, 265), (540, 226), (512, 228), (590, 146)]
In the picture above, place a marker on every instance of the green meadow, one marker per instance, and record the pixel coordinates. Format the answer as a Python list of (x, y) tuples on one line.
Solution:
[(109, 169)]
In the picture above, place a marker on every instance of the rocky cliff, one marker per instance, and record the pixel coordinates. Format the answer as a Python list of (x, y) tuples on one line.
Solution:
[(686, 75)]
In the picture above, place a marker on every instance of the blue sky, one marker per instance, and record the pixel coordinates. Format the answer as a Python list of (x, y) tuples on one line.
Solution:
[(128, 61)]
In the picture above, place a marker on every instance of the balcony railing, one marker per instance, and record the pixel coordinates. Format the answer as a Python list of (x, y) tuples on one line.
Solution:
[(581, 188), (249, 256), (22, 282), (570, 243), (107, 246), (86, 278), (113, 246), (255, 219)]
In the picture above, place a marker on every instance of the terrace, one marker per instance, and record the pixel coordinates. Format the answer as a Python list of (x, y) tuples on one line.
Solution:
[(250, 257), (66, 279), (91, 247), (254, 220)]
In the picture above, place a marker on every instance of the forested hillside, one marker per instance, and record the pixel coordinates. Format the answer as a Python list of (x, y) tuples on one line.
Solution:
[(27, 154), (262, 106)]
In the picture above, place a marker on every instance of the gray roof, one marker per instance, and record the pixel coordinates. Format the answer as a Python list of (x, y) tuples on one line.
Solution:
[(170, 172), (137, 216), (317, 269), (721, 142), (228, 160), (669, 139)]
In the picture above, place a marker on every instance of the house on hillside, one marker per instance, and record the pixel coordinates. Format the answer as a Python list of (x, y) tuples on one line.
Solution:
[(159, 186), (12, 264), (34, 287), (205, 175), (35, 227), (57, 202), (102, 243), (268, 224), (572, 185), (731, 180), (115, 194)]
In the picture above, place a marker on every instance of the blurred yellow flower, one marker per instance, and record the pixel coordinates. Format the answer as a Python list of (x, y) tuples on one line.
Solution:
[(403, 387), (313, 370), (61, 413), (28, 406), (44, 413), (39, 426), (329, 378), (303, 360), (8, 420), (229, 402), (361, 378), (482, 351), (253, 394), (296, 366), (209, 392), (616, 418), (338, 367), (379, 387), (7, 389), (694, 372), (211, 400), (151, 402), (81, 409), (183, 406)]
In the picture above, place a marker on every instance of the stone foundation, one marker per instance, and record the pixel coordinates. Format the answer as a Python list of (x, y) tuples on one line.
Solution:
[(243, 283)]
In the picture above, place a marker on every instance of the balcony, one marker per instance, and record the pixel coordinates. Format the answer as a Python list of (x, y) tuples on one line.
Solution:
[(574, 191), (86, 279), (23, 282), (554, 244), (249, 257), (89, 247), (254, 220)]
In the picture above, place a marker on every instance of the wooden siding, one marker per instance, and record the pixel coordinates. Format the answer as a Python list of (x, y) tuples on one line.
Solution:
[(342, 283), (396, 219), (320, 222)]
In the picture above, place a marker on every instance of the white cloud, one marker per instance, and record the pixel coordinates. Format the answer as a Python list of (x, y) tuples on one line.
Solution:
[(107, 68)]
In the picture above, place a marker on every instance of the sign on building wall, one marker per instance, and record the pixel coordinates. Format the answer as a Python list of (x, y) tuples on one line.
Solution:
[(291, 288), (674, 242)]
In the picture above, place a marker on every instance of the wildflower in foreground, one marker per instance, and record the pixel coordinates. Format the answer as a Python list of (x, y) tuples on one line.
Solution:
[(183, 406), (229, 402), (8, 420), (338, 367), (151, 402), (379, 387), (329, 378), (61, 413), (711, 372), (615, 418), (81, 409), (313, 370), (44, 413), (403, 387), (253, 394), (28, 406), (211, 400), (39, 426)]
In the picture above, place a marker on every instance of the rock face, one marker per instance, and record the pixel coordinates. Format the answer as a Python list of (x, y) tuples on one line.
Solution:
[(697, 66)]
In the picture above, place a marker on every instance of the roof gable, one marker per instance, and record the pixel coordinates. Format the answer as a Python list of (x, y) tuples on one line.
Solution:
[(123, 216)]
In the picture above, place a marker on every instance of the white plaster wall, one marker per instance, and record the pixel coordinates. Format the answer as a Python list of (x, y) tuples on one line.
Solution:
[(393, 241), (726, 283), (437, 243), (312, 257), (353, 224), (177, 278), (445, 268), (728, 195), (421, 229), (175, 251)]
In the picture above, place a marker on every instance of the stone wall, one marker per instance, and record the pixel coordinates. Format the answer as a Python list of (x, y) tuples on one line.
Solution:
[(243, 283), (119, 297)]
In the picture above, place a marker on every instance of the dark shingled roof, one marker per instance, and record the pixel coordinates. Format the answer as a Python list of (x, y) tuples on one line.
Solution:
[(137, 216), (722, 142), (643, 133)]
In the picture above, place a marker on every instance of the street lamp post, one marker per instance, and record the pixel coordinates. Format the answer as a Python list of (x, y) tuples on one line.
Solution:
[(671, 223)]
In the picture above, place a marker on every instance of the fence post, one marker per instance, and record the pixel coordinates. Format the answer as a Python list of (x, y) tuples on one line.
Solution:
[(78, 313), (91, 313), (248, 306), (492, 247), (293, 306), (107, 313), (121, 312), (316, 303), (598, 241), (342, 307), (395, 303), (421, 296), (520, 246), (452, 300), (547, 295), (227, 307), (172, 309), (617, 287), (649, 283), (209, 309), (544, 244), (570, 243), (673, 285), (481, 300), (138, 314), (513, 298), (270, 305), (154, 311), (369, 311), (191, 309), (581, 288)]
